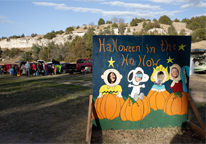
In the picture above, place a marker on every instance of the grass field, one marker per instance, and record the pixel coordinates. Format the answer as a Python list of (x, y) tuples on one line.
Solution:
[(54, 109)]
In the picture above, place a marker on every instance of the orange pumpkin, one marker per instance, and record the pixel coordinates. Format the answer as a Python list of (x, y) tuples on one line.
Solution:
[(176, 104), (135, 111), (157, 99), (108, 106)]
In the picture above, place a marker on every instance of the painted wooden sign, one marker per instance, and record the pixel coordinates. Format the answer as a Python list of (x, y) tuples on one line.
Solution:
[(140, 81)]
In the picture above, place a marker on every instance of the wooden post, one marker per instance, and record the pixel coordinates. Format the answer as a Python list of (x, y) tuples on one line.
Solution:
[(197, 129), (196, 112), (89, 121)]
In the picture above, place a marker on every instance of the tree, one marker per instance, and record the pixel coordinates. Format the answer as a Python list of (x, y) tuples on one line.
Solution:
[(165, 20), (91, 23), (198, 35), (156, 24), (22, 35), (114, 25), (78, 49), (101, 21), (176, 20), (182, 32), (50, 35), (154, 19), (194, 25), (36, 51), (109, 22), (114, 20), (171, 30), (100, 32), (27, 56), (121, 28), (69, 30), (121, 20), (148, 26), (88, 40), (133, 22)]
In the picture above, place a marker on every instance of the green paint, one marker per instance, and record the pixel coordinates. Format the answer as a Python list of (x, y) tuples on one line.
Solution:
[(154, 119)]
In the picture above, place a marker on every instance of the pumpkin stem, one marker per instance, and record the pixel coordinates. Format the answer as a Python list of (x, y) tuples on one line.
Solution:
[(179, 94)]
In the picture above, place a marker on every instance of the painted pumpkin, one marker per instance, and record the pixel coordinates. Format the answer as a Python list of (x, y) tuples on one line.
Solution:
[(176, 104), (157, 99), (135, 111), (108, 106)]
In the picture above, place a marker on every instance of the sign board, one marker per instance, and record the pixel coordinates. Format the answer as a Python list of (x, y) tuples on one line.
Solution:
[(140, 81)]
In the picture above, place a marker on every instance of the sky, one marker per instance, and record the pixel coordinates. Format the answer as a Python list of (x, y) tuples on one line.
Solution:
[(19, 17)]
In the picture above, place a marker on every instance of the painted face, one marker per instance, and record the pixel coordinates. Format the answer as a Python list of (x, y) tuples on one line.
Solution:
[(175, 72), (112, 77), (138, 77)]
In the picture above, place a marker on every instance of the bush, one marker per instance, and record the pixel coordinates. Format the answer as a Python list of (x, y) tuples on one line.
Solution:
[(77, 27), (198, 35), (69, 30), (59, 32), (194, 26), (50, 35), (171, 30), (182, 32), (27, 56), (176, 20), (33, 34), (108, 27), (109, 22), (12, 53), (101, 21), (114, 25), (121, 28), (165, 20)]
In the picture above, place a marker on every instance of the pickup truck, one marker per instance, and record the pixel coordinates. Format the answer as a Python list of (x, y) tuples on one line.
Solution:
[(80, 65)]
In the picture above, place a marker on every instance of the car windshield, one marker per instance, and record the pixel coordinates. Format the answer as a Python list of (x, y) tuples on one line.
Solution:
[(90, 60)]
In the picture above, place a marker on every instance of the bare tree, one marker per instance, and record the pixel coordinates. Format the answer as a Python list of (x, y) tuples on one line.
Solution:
[(121, 20), (114, 20), (91, 23)]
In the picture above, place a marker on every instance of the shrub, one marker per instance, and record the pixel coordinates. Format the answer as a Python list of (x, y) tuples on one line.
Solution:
[(171, 30), (165, 20), (194, 25), (198, 35), (109, 22), (69, 30), (33, 34), (176, 20), (50, 35), (114, 25), (27, 56), (182, 32), (101, 21)]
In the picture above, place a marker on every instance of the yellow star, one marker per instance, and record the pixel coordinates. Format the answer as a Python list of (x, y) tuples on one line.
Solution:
[(170, 60), (181, 47), (111, 62)]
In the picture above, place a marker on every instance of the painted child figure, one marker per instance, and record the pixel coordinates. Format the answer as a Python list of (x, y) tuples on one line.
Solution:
[(112, 78), (136, 76), (159, 76), (179, 81)]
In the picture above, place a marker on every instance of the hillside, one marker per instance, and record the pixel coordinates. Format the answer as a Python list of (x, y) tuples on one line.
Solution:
[(26, 42)]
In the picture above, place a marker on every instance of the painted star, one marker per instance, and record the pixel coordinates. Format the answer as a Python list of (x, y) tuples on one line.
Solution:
[(170, 60), (181, 47), (111, 62)]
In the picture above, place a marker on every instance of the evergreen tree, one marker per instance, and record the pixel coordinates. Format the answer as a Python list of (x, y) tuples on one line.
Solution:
[(101, 21), (165, 20)]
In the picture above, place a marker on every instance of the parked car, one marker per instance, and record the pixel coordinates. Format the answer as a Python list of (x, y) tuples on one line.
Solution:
[(82, 63), (68, 68)]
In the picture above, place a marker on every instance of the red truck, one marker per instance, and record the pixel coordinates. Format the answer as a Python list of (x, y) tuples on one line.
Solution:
[(82, 63), (78, 67)]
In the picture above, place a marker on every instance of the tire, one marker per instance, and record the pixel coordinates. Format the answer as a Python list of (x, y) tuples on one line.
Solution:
[(64, 71)]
